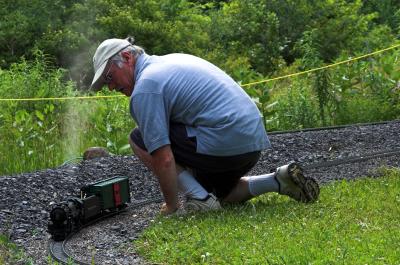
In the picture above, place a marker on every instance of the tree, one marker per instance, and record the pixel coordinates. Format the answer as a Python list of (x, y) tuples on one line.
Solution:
[(248, 28), (335, 26), (388, 12)]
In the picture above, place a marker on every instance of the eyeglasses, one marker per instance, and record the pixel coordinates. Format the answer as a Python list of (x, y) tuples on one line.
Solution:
[(108, 76)]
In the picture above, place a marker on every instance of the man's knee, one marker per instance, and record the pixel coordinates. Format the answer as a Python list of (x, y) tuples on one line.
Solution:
[(136, 141), (131, 143), (135, 148)]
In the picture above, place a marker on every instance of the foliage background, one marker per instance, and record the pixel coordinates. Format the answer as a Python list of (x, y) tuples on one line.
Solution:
[(46, 49)]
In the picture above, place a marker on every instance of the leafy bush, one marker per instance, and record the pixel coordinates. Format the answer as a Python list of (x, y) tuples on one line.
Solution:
[(42, 134), (361, 91)]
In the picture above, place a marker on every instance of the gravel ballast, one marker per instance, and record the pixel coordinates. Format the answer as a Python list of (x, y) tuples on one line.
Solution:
[(26, 199)]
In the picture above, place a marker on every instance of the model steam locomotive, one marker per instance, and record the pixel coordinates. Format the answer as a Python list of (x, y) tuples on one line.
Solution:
[(97, 200)]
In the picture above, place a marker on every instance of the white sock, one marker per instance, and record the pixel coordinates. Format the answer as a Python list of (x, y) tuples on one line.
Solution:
[(190, 187), (263, 183)]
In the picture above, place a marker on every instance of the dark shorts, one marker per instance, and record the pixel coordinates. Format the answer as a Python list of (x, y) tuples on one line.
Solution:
[(218, 174)]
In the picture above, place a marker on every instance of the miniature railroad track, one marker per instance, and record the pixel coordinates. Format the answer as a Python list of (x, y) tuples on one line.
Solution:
[(58, 252), (333, 127), (354, 159), (58, 249)]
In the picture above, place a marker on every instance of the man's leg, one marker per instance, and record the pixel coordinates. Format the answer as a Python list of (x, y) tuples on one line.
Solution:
[(190, 186), (187, 183), (287, 180), (143, 155), (249, 187)]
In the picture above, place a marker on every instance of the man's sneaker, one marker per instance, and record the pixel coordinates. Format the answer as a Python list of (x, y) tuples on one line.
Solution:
[(294, 184), (210, 203)]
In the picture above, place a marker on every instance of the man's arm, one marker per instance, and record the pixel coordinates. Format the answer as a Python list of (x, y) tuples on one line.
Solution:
[(164, 169)]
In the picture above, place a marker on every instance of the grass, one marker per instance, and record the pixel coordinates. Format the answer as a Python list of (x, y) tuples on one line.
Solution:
[(354, 222), (11, 254)]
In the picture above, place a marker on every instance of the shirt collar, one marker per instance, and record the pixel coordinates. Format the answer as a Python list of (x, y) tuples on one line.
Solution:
[(141, 63)]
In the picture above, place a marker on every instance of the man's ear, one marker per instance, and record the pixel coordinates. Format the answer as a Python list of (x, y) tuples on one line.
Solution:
[(127, 55)]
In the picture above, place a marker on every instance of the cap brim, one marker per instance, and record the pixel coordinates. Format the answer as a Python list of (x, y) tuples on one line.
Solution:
[(98, 81)]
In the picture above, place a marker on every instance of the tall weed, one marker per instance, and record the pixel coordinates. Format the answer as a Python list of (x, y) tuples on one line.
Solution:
[(296, 109), (363, 91), (43, 134)]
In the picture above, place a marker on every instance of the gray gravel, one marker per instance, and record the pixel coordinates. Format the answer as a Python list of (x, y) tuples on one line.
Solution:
[(25, 199)]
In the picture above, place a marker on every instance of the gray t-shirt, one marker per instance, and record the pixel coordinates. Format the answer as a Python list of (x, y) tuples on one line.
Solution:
[(185, 89)]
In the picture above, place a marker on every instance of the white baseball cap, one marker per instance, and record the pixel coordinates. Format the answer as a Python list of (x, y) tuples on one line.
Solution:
[(104, 52)]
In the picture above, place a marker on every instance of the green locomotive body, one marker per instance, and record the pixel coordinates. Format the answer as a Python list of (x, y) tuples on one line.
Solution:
[(113, 192)]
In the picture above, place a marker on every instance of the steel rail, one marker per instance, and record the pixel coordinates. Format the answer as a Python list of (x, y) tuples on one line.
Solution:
[(333, 127), (353, 159)]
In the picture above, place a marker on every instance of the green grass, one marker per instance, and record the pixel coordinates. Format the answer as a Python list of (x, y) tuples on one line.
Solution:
[(11, 254), (353, 222)]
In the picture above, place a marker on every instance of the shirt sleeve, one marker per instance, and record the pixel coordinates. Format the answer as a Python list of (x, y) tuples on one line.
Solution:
[(148, 108)]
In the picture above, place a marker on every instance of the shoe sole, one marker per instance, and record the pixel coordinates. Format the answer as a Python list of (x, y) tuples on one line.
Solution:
[(309, 187)]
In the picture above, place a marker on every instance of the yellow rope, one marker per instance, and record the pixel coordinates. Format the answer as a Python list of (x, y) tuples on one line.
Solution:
[(60, 98), (323, 67), (244, 85)]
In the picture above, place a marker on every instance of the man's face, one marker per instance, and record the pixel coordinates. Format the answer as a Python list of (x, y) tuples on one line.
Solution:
[(119, 75)]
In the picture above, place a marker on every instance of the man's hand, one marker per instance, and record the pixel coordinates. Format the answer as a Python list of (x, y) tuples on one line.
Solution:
[(165, 210)]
